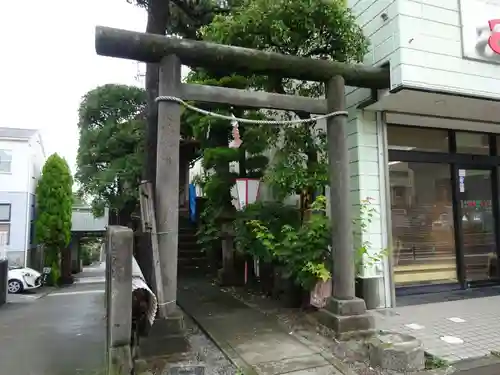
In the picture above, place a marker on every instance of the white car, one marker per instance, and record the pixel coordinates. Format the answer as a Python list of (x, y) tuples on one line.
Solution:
[(23, 278)]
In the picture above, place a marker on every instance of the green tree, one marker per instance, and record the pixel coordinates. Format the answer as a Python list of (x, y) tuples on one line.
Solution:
[(111, 148), (308, 28), (54, 198), (174, 17)]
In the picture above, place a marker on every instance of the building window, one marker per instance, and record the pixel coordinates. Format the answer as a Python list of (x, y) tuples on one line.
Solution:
[(472, 143), (422, 223), (405, 138), (5, 161), (32, 233), (4, 224)]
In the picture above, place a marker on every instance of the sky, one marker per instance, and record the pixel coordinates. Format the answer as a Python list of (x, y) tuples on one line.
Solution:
[(48, 62)]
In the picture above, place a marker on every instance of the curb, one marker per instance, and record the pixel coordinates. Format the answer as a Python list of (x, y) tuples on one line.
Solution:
[(225, 348), (34, 297), (47, 291)]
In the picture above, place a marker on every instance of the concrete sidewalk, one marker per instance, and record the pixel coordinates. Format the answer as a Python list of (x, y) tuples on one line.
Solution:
[(61, 333), (265, 339), (453, 331), (256, 342)]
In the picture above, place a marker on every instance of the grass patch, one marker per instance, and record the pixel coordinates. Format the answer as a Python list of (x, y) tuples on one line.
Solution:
[(433, 362)]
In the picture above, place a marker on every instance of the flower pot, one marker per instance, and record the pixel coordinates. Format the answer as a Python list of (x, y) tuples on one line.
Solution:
[(295, 296), (367, 288), (320, 293)]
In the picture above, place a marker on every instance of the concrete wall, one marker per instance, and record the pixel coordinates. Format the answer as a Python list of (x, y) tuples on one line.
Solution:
[(83, 220), (431, 55)]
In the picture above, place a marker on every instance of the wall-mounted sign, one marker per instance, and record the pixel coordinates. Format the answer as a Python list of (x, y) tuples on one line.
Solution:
[(476, 204), (481, 29)]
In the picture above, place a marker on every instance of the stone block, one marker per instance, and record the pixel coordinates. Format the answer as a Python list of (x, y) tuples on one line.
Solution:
[(172, 325), (140, 366), (165, 346), (120, 360), (347, 327), (349, 307), (396, 352)]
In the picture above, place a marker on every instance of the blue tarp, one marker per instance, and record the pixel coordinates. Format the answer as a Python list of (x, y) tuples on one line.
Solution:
[(192, 202)]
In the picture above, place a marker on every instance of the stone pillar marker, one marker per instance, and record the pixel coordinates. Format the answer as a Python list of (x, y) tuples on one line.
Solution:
[(119, 252), (344, 313)]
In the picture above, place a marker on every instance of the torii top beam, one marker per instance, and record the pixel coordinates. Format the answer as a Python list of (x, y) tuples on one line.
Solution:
[(150, 48)]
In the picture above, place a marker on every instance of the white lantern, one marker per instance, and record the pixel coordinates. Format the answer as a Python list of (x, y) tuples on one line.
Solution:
[(247, 190)]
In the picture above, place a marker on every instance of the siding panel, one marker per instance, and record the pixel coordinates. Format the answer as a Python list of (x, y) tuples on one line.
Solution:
[(431, 51)]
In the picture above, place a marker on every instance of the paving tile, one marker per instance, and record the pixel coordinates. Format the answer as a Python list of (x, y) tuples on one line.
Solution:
[(291, 364), (480, 331), (325, 370), (268, 347)]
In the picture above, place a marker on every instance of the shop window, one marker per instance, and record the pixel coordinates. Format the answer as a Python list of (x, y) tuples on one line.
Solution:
[(472, 143), (406, 138), (422, 223), (475, 197)]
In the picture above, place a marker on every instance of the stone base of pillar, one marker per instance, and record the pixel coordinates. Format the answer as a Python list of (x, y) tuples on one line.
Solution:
[(172, 325), (227, 277), (347, 318), (166, 337), (120, 360)]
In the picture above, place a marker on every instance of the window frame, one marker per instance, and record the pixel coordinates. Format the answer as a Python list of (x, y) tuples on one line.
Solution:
[(8, 152), (7, 221)]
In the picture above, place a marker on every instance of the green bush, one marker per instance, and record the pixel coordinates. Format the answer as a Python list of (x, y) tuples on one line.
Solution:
[(302, 250), (274, 215)]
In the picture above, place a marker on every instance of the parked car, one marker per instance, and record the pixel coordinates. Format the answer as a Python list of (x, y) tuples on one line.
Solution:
[(23, 278)]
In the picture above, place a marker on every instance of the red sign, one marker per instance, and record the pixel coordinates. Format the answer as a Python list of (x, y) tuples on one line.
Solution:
[(494, 39)]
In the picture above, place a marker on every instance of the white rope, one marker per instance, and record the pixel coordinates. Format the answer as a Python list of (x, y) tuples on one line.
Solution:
[(246, 120)]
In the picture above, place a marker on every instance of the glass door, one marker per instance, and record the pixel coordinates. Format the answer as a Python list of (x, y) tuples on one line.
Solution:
[(477, 224)]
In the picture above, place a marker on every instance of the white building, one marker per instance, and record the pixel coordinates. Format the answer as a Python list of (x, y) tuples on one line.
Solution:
[(427, 149), (22, 157)]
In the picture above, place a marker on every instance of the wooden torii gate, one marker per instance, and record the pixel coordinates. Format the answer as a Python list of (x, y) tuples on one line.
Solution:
[(345, 313)]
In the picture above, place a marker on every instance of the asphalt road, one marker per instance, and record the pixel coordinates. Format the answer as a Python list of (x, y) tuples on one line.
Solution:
[(62, 333)]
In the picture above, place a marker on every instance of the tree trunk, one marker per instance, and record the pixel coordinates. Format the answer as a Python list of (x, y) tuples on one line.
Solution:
[(66, 275)]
